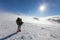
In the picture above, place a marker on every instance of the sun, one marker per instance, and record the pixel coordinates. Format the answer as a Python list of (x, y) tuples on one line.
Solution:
[(42, 8)]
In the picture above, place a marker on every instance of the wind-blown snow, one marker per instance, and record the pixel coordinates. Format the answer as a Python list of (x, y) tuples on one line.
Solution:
[(54, 19), (30, 30)]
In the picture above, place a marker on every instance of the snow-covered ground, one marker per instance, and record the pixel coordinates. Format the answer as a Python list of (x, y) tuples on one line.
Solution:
[(32, 29)]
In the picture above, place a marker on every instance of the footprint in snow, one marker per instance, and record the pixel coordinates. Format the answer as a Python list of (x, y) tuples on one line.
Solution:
[(30, 37), (42, 28), (53, 36), (23, 37)]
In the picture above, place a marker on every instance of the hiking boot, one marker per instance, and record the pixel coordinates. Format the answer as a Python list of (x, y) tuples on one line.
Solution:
[(18, 31)]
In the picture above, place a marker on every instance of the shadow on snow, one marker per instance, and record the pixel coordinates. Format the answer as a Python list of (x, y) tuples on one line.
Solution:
[(8, 36)]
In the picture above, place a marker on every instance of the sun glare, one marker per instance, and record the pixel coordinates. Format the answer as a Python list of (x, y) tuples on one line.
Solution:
[(42, 8)]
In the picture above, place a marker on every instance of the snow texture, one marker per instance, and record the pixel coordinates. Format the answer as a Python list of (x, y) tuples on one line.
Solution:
[(30, 31)]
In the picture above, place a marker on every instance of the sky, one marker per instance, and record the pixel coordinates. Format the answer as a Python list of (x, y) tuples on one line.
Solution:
[(31, 7)]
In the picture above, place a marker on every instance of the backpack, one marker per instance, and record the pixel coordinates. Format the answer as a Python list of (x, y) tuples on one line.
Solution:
[(19, 21)]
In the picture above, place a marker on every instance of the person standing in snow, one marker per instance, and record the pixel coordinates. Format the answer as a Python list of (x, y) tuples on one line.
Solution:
[(19, 23)]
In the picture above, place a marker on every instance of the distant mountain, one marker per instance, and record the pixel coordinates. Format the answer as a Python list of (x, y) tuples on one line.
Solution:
[(55, 19), (36, 18)]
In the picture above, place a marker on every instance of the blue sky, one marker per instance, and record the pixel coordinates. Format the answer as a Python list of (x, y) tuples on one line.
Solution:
[(31, 7)]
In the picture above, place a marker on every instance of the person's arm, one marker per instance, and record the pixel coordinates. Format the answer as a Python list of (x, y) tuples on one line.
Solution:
[(22, 22)]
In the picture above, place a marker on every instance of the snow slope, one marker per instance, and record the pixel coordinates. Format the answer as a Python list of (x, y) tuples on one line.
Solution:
[(30, 30)]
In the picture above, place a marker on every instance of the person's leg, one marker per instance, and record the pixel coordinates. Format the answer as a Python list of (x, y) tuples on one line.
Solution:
[(19, 29)]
